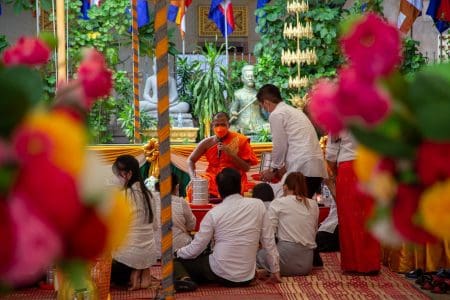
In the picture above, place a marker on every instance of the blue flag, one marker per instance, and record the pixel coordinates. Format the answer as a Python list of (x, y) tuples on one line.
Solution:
[(260, 4), (217, 15), (432, 11), (85, 6), (143, 17)]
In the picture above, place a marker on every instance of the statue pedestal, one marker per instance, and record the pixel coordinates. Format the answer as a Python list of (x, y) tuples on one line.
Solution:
[(177, 134), (179, 120)]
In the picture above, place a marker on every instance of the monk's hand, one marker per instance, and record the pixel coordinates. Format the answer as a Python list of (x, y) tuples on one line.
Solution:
[(224, 148)]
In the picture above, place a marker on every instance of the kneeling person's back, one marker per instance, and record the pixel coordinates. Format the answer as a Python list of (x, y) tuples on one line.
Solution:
[(237, 225)]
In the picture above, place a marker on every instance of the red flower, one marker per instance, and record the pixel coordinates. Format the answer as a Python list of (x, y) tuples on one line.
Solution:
[(88, 240), (433, 162), (323, 106), (386, 165), (361, 98), (7, 237), (373, 47), (50, 193), (32, 144), (403, 212), (6, 154), (94, 75), (28, 51)]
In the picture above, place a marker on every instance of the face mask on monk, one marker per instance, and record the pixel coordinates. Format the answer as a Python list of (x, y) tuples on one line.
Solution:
[(220, 131)]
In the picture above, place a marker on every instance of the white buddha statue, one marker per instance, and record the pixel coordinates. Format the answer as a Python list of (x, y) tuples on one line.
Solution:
[(150, 96)]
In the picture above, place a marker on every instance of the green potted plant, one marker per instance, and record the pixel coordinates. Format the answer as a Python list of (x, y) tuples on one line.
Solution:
[(211, 91)]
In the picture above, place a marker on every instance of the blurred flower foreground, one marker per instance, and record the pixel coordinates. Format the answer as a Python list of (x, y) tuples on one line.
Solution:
[(403, 127), (53, 209)]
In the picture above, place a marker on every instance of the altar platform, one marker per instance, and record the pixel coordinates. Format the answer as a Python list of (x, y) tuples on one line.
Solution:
[(178, 156)]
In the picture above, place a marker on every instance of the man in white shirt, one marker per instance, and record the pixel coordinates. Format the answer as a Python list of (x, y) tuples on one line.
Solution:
[(235, 227), (295, 145)]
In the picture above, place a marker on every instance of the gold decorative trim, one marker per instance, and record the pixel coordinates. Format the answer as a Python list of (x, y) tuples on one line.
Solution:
[(207, 28)]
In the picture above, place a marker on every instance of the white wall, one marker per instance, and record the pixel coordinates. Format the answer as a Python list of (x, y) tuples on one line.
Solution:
[(14, 26)]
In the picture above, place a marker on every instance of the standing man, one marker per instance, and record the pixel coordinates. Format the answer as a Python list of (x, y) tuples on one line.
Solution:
[(236, 227), (225, 149), (296, 147)]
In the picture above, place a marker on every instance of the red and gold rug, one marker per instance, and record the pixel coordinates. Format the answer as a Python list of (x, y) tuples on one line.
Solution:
[(324, 283)]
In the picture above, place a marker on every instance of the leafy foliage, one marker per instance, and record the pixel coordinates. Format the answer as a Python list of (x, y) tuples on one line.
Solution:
[(413, 60), (264, 135), (211, 89), (21, 5), (3, 42), (324, 15), (126, 121), (186, 72)]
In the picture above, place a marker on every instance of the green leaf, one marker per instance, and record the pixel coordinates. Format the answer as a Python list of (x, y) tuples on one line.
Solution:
[(434, 120), (347, 24), (382, 142), (49, 39), (76, 271), (21, 88), (429, 98)]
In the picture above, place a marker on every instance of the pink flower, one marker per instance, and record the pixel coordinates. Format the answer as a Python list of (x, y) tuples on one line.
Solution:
[(37, 245), (405, 207), (50, 193), (29, 51), (94, 75), (71, 97), (373, 47), (361, 98), (322, 106), (433, 162)]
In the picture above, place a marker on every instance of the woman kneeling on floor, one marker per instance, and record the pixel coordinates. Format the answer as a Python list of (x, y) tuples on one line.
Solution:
[(294, 220), (131, 263)]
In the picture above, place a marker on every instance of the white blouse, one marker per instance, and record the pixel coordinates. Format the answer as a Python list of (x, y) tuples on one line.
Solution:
[(293, 222), (138, 251)]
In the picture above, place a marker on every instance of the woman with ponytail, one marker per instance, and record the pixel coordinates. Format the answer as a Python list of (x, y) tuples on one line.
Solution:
[(294, 220), (132, 262)]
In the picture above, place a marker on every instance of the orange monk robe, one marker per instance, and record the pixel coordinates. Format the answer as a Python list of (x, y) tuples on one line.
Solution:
[(239, 145)]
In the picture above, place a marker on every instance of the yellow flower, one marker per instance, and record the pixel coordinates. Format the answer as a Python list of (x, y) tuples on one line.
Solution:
[(383, 187), (366, 161), (434, 208), (93, 35), (68, 138), (118, 220)]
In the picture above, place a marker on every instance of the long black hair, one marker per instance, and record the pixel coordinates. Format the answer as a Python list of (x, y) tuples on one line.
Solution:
[(129, 163)]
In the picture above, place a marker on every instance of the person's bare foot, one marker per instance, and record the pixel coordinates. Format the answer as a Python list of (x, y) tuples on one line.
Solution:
[(135, 279), (146, 279)]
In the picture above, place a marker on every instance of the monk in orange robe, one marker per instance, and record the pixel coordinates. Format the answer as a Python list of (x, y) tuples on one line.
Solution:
[(226, 149)]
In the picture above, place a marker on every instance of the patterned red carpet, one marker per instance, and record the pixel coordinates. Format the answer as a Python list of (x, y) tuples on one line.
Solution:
[(324, 283)]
